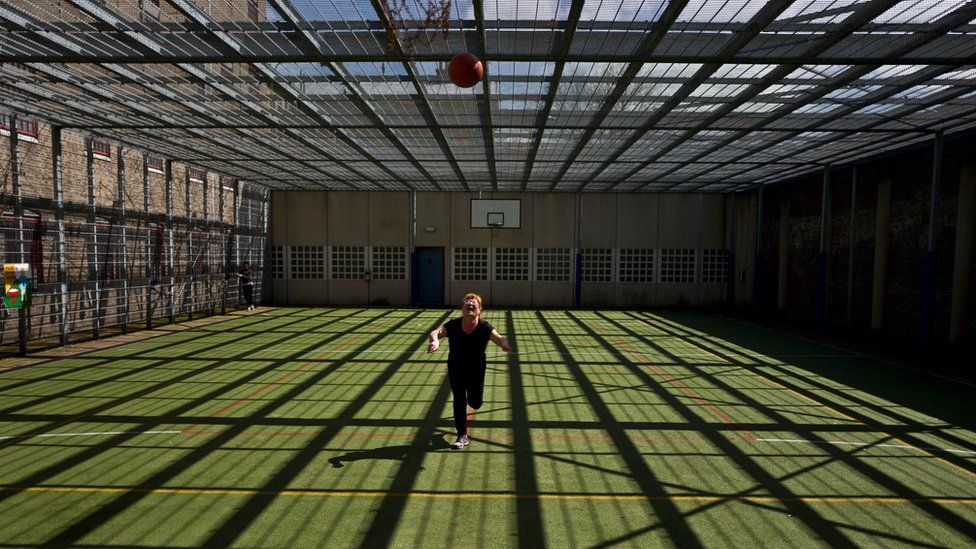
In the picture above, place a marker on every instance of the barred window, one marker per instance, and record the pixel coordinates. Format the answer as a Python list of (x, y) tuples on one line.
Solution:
[(307, 261), (389, 263), (470, 264), (277, 262), (636, 265), (349, 262), (715, 266), (511, 264), (597, 265), (677, 265), (552, 264)]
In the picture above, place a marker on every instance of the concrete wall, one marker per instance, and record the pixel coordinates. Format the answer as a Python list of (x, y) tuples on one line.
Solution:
[(533, 265)]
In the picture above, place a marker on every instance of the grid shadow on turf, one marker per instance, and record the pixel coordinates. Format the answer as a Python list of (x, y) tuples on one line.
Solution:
[(330, 426)]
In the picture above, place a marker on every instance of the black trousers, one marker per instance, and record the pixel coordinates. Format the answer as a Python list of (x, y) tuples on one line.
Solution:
[(248, 293), (468, 386)]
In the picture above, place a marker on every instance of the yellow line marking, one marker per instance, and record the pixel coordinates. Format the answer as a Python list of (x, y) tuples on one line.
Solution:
[(480, 495)]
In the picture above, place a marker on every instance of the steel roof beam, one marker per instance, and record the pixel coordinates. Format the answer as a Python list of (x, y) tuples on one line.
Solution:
[(192, 12), (768, 13), (542, 118), (863, 15), (938, 28), (484, 105)]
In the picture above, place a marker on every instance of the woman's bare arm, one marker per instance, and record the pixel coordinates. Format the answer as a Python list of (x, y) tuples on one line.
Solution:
[(433, 337), (497, 339)]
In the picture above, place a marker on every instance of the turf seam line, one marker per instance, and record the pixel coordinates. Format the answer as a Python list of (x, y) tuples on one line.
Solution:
[(97, 433)]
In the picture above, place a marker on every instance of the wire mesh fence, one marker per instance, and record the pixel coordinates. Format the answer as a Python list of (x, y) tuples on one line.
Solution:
[(119, 239)]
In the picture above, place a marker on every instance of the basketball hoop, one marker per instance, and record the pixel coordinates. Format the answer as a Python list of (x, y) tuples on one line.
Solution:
[(400, 16)]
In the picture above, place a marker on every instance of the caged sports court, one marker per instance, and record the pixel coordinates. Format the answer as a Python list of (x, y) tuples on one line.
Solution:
[(693, 273)]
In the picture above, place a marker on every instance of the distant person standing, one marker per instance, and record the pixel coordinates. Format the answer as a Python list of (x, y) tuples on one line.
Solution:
[(247, 284), (466, 361)]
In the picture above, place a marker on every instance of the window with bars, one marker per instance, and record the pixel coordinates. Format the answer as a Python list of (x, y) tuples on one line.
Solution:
[(470, 263), (154, 164), (388, 263), (511, 264), (197, 175), (101, 149), (677, 265), (277, 262), (715, 266), (25, 126), (252, 10), (306, 261), (552, 264), (636, 265), (348, 262), (597, 265)]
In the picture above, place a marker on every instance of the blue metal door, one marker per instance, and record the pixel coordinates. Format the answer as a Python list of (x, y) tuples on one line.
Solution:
[(430, 275)]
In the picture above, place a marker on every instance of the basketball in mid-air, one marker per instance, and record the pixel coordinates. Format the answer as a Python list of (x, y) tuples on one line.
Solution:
[(465, 70)]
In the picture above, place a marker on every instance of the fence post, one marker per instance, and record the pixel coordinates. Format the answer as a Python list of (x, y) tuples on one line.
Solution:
[(19, 215), (93, 239), (61, 243), (123, 271), (169, 238)]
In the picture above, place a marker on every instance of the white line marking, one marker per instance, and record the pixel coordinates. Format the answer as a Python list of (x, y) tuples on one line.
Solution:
[(842, 443), (595, 351), (101, 433)]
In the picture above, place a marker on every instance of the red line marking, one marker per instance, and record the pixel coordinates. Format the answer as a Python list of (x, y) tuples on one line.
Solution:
[(285, 377), (687, 390)]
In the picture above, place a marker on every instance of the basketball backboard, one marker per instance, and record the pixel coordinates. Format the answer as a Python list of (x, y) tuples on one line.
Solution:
[(491, 213)]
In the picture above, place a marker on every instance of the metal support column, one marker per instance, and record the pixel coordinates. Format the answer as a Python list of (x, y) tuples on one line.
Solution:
[(928, 274), (93, 273), (414, 260), (225, 270), (578, 259), (821, 297), (169, 241), (757, 260), (21, 234), (208, 291), (147, 248), (265, 198), (190, 278), (236, 237), (850, 250), (61, 250), (730, 257), (123, 265)]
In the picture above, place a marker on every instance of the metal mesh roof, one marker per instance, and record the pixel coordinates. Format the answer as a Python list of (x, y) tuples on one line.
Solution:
[(615, 95)]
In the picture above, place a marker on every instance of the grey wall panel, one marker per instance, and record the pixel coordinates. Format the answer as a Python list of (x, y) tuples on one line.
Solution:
[(554, 220), (348, 218), (599, 214), (305, 218), (308, 292), (637, 220)]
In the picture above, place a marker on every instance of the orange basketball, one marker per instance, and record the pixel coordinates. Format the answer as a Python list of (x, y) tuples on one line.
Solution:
[(465, 70)]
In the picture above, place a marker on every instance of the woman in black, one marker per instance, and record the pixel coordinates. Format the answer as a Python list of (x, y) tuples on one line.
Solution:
[(247, 284), (469, 337)]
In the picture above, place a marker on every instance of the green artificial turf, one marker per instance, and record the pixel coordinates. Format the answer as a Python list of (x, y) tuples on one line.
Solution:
[(331, 428)]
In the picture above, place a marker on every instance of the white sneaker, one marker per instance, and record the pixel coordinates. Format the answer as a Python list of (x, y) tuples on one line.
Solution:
[(461, 442)]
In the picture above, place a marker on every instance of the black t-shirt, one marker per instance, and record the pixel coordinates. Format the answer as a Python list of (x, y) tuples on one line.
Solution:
[(468, 347)]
